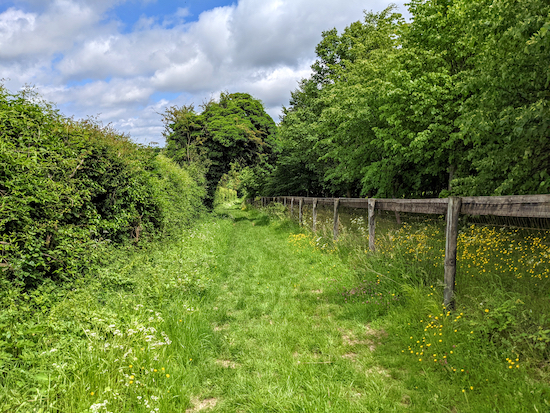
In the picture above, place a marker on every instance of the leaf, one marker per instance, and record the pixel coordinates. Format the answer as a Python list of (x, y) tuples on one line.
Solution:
[(42, 377)]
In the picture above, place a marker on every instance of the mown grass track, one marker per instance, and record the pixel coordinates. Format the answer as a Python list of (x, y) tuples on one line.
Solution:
[(286, 342), (302, 328)]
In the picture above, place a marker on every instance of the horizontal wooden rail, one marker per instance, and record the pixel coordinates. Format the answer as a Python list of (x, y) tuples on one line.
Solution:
[(527, 206), (524, 206)]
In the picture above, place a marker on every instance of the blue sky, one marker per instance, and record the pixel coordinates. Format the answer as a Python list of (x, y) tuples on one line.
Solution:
[(130, 12), (125, 61)]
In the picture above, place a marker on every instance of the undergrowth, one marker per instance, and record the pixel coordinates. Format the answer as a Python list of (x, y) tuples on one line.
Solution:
[(70, 188)]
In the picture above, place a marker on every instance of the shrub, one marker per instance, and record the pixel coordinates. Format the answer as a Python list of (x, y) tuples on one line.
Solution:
[(68, 188)]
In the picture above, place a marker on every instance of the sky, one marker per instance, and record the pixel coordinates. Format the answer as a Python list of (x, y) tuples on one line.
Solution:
[(125, 61)]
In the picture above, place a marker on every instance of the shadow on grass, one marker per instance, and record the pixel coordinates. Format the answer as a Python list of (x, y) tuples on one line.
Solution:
[(255, 217), (261, 221)]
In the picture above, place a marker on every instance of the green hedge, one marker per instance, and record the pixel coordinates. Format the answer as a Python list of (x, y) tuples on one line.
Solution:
[(68, 189)]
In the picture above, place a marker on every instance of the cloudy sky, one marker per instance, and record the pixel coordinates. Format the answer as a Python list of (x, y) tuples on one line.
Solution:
[(126, 60)]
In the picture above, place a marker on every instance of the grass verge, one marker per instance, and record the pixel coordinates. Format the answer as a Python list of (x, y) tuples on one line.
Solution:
[(491, 353)]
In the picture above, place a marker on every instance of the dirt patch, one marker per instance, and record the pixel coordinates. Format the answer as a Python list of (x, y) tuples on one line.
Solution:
[(317, 291), (221, 328), (199, 405), (378, 370), (380, 334), (375, 337), (350, 356), (350, 340), (228, 364)]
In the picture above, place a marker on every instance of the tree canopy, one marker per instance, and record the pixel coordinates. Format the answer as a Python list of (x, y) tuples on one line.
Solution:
[(454, 102), (234, 130)]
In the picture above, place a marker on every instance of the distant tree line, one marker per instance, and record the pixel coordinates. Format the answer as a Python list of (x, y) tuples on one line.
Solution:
[(456, 101), (231, 136)]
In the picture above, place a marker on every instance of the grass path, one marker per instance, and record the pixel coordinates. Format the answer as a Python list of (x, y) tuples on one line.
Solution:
[(284, 342)]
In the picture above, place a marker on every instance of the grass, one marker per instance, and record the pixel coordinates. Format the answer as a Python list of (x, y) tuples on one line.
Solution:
[(489, 355), (247, 312), (288, 343), (123, 340)]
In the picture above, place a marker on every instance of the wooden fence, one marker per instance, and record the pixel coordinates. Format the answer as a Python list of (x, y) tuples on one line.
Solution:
[(524, 206)]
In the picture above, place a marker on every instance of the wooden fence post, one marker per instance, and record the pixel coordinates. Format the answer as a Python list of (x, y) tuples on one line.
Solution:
[(314, 215), (291, 206), (301, 213), (372, 223), (453, 212), (336, 219)]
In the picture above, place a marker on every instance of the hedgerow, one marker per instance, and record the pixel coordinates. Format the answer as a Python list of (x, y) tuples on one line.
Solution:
[(69, 189)]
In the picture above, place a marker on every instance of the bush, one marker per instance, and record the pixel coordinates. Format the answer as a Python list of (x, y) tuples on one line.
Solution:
[(68, 189)]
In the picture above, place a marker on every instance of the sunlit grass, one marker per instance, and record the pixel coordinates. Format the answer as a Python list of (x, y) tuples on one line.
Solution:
[(492, 351), (127, 339), (251, 313)]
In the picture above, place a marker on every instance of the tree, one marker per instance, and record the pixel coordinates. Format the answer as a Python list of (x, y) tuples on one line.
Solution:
[(186, 144), (298, 170), (454, 102), (234, 130), (351, 107), (506, 118), (312, 155)]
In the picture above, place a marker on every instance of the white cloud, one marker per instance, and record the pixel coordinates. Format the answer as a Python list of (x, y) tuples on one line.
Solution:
[(60, 27), (89, 66), (118, 93)]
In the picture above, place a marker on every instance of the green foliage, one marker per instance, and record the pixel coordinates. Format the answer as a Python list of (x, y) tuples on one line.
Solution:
[(234, 130), (454, 102), (298, 169), (242, 182), (505, 117), (324, 146), (69, 188), (178, 195), (225, 195), (126, 334)]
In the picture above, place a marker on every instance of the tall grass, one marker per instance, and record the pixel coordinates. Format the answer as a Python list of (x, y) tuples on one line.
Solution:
[(252, 313), (126, 339), (494, 348)]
